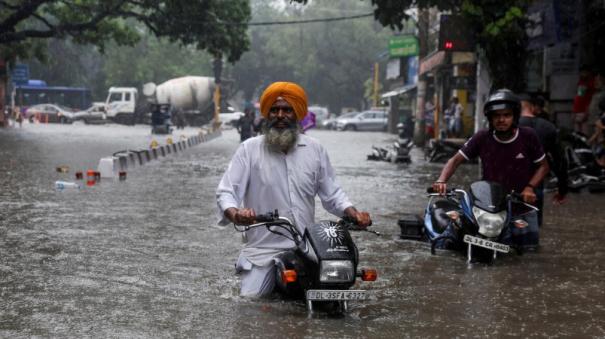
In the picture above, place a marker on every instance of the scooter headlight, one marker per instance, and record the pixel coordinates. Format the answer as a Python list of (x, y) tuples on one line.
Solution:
[(336, 271), (490, 224)]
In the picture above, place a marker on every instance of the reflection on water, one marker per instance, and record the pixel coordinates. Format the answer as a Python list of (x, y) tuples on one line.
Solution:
[(144, 258)]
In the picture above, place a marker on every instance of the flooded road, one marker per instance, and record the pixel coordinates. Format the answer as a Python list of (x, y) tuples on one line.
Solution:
[(144, 258)]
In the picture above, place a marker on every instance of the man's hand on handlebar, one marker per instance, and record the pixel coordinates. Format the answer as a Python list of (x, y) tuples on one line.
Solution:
[(362, 219), (528, 195), (440, 187), (241, 216)]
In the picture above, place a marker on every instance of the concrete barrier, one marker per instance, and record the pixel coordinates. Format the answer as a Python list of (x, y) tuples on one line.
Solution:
[(110, 167), (122, 162), (147, 155)]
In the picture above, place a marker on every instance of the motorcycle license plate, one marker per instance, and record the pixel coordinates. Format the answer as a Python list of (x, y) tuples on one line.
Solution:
[(469, 239), (336, 295)]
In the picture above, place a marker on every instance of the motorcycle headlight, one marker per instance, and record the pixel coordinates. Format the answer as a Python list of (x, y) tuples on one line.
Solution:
[(490, 224), (336, 271)]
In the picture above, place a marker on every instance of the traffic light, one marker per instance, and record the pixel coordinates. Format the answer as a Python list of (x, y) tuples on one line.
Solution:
[(455, 34)]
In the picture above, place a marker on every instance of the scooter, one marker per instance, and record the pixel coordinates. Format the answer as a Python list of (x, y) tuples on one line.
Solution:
[(479, 220), (398, 151), (161, 119), (324, 264)]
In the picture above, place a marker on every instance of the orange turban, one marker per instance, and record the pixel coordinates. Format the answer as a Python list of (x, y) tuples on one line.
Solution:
[(291, 92)]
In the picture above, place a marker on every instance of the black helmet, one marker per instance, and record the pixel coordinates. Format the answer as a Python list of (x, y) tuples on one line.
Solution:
[(503, 99)]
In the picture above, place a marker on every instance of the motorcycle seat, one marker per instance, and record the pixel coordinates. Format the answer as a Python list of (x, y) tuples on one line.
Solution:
[(439, 217)]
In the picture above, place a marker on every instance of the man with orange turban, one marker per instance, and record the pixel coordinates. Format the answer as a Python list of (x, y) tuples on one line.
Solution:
[(282, 169)]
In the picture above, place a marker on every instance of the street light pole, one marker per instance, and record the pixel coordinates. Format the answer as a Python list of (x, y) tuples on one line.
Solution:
[(375, 96)]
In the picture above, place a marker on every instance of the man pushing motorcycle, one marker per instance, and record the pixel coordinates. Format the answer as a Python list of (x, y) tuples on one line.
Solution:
[(510, 155), (282, 169)]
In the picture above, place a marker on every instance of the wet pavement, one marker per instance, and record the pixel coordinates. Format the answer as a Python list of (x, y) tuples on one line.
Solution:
[(144, 258)]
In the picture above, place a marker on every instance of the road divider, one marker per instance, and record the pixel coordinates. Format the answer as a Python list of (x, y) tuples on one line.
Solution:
[(117, 165)]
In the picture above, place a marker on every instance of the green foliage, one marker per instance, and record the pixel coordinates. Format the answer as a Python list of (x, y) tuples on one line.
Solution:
[(217, 26), (499, 23), (331, 60)]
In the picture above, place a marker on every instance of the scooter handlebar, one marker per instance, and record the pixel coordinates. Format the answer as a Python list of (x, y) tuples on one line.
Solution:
[(431, 190)]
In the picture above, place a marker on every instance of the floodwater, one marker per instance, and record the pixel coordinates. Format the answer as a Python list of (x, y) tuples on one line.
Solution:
[(144, 258)]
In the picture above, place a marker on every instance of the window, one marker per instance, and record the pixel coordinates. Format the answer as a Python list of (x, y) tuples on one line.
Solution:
[(115, 97)]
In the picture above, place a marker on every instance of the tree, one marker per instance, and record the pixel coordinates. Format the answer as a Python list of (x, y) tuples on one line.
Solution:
[(214, 25), (331, 60), (500, 25)]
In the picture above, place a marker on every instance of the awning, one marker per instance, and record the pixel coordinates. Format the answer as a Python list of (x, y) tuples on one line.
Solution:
[(398, 91)]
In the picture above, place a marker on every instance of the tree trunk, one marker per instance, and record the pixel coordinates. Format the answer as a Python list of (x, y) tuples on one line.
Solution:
[(3, 79), (423, 22)]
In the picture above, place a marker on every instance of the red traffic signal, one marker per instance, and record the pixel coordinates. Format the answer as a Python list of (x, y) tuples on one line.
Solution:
[(455, 34)]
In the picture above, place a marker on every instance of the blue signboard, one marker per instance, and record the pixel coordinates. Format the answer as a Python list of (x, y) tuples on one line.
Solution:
[(20, 74)]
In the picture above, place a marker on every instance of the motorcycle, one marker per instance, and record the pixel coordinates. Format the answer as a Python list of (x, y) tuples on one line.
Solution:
[(584, 170), (479, 220), (379, 154), (440, 150), (323, 265)]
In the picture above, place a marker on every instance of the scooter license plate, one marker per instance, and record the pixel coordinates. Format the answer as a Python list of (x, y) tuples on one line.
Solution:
[(469, 239), (336, 295)]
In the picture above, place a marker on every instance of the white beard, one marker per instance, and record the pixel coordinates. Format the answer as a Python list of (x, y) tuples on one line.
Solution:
[(281, 140)]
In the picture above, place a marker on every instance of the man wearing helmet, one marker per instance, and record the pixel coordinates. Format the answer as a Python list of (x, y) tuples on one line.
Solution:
[(510, 155)]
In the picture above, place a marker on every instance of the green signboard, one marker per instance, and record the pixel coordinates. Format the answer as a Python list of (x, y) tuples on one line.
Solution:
[(403, 46)]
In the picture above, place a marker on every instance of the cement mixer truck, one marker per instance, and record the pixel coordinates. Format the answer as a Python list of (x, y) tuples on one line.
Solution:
[(190, 95)]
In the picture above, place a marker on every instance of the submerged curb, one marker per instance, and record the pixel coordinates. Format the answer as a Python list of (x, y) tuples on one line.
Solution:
[(121, 161)]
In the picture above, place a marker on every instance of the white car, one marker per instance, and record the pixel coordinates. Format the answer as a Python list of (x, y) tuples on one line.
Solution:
[(50, 113), (331, 123), (321, 114), (364, 121), (95, 113)]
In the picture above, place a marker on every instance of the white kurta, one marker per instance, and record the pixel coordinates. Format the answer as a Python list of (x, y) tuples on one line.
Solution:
[(264, 180)]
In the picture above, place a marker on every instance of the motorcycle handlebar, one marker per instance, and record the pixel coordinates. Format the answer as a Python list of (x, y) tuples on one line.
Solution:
[(267, 217), (518, 199)]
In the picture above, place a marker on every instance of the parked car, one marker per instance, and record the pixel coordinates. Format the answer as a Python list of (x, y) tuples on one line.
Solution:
[(364, 121), (50, 113), (230, 119), (321, 114), (94, 114), (331, 123)]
